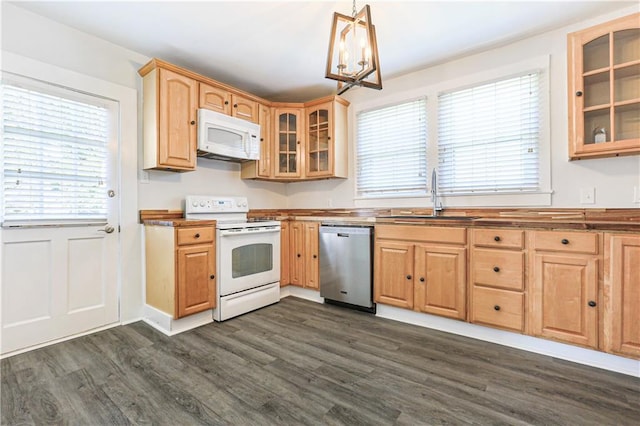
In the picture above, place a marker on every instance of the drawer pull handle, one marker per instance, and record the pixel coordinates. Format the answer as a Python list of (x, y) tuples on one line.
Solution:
[(408, 277), (212, 276), (592, 303), (564, 241), (496, 269), (197, 235), (421, 279), (496, 238), (497, 307)]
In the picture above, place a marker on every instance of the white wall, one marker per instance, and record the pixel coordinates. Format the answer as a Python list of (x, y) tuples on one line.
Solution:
[(612, 178)]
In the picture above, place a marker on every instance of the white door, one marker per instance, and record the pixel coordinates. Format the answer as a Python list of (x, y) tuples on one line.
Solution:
[(60, 213)]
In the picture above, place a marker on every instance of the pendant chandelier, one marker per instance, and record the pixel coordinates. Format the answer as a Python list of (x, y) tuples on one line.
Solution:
[(353, 51)]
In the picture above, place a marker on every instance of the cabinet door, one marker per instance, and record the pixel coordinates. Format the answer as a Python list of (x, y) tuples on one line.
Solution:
[(177, 117), (296, 263), (215, 99), (264, 164), (393, 269), (440, 280), (312, 263), (564, 298), (244, 108), (288, 144), (196, 287), (284, 254), (622, 294), (604, 89), (319, 152)]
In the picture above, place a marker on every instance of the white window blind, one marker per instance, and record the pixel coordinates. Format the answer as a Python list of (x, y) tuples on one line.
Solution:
[(488, 137), (391, 150), (54, 157)]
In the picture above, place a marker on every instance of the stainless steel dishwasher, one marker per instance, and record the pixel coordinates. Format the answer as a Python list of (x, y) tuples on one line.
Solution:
[(346, 267)]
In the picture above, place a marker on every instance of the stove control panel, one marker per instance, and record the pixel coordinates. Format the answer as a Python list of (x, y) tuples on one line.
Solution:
[(214, 204)]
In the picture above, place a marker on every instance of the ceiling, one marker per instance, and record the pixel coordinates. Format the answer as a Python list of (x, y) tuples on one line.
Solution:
[(277, 49)]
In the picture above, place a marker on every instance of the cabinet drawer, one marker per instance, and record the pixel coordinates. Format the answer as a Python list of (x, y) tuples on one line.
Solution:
[(575, 242), (503, 238), (204, 234), (498, 268), (500, 308), (435, 234)]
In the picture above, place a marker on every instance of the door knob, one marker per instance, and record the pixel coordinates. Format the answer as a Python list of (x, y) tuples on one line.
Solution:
[(108, 229)]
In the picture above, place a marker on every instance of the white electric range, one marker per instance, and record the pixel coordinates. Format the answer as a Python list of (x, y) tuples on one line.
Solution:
[(247, 254)]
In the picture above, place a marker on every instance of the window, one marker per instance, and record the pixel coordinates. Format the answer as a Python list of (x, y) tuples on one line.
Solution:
[(391, 150), (54, 155), (489, 137)]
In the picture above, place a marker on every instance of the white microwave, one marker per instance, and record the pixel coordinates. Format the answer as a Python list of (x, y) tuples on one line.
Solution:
[(223, 137)]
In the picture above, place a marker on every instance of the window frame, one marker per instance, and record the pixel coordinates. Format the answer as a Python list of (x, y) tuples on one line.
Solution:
[(542, 197)]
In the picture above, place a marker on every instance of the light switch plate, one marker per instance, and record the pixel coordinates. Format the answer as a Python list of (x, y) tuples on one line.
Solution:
[(143, 176), (636, 194), (587, 195)]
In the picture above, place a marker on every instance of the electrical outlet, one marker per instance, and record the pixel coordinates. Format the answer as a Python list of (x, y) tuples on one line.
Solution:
[(143, 176), (329, 202), (587, 195), (636, 194)]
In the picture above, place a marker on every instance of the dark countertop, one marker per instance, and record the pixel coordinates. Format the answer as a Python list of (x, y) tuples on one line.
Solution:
[(179, 223)]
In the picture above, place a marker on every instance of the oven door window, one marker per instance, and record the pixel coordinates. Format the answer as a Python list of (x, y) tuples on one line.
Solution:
[(251, 259)]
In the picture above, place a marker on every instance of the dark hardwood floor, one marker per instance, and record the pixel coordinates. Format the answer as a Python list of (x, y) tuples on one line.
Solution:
[(299, 362)]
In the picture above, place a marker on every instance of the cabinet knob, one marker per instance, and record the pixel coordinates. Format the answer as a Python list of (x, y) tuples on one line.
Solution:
[(298, 254), (421, 279), (579, 93), (408, 277), (226, 102), (496, 238), (328, 138), (261, 139), (497, 307), (592, 303), (496, 269), (212, 276), (298, 142), (193, 122), (565, 241), (197, 236), (235, 105), (315, 256)]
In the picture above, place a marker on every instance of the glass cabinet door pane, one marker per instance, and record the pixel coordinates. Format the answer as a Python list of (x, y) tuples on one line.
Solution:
[(324, 115), (292, 123), (282, 163), (282, 142), (596, 89), (596, 54), (627, 122), (626, 46), (292, 142), (282, 125), (313, 118), (597, 126), (313, 141), (627, 83), (292, 163)]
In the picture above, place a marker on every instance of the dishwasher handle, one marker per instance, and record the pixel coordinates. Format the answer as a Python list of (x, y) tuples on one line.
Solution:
[(343, 234), (346, 231)]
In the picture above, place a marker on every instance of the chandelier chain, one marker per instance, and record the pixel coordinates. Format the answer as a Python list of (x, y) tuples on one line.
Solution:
[(353, 10)]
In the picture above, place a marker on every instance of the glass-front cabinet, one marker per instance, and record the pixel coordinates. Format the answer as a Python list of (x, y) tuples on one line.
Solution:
[(319, 147), (288, 142), (604, 89)]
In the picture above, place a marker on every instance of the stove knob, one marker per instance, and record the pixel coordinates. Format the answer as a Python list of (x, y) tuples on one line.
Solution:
[(244, 204), (194, 203), (201, 203)]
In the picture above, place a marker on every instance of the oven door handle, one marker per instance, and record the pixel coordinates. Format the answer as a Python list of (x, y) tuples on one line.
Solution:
[(250, 231)]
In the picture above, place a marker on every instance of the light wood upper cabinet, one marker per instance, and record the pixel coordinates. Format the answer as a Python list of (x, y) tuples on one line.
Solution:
[(604, 89), (564, 286), (180, 269), (326, 139), (223, 101), (622, 294), (170, 113), (288, 132), (303, 254)]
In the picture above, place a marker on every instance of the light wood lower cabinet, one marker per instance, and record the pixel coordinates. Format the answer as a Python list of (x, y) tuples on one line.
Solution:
[(564, 277), (497, 278), (622, 294), (180, 269), (421, 268), (303, 254), (284, 254)]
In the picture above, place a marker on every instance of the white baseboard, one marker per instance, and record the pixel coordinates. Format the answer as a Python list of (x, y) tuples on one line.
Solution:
[(514, 340), (302, 293), (165, 323)]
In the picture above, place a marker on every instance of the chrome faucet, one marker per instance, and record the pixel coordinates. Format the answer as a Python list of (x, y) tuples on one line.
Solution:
[(437, 204)]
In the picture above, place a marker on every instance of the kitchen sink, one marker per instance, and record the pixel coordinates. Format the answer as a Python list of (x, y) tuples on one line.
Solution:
[(428, 217)]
